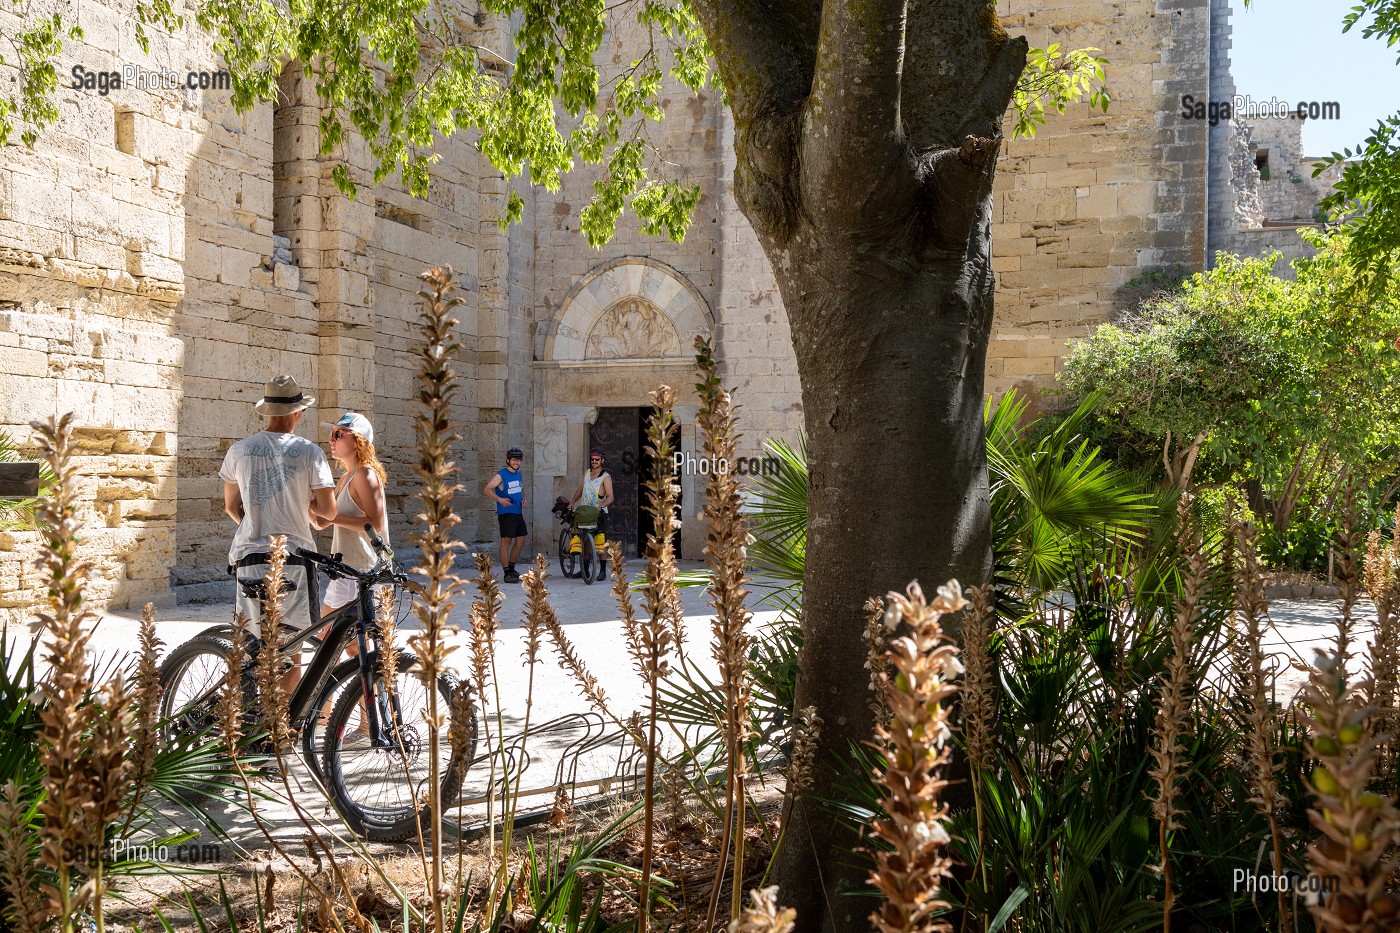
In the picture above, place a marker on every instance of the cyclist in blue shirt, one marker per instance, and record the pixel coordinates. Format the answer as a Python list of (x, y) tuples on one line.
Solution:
[(507, 490)]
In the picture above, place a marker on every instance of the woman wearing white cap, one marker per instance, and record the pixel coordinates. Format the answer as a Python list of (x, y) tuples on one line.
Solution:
[(359, 497)]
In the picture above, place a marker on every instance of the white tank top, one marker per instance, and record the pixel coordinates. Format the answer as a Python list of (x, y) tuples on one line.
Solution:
[(353, 543), (592, 490)]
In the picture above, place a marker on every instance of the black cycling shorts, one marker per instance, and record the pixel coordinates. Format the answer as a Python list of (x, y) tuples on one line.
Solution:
[(512, 524)]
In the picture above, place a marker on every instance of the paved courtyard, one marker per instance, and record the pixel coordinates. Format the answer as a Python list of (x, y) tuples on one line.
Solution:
[(567, 739)]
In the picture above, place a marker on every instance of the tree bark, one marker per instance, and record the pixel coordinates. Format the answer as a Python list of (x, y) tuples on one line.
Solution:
[(864, 163), (898, 491)]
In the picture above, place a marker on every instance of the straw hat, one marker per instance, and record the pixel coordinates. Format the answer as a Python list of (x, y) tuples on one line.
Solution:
[(283, 396)]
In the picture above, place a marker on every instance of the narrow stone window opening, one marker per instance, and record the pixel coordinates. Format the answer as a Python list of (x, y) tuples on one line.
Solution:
[(125, 140), (289, 141)]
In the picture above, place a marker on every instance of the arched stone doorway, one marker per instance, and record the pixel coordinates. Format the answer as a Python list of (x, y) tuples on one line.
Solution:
[(624, 329)]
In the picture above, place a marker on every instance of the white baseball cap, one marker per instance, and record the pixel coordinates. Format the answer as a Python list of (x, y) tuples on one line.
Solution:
[(357, 423)]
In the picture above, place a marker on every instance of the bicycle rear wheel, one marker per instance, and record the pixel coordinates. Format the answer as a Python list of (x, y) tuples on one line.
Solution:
[(191, 681), (377, 790), (568, 561), (191, 684)]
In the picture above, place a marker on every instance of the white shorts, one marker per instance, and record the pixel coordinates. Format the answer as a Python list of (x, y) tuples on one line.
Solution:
[(343, 590), (340, 591)]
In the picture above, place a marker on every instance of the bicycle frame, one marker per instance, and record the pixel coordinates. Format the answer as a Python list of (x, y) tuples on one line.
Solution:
[(302, 705), (358, 616)]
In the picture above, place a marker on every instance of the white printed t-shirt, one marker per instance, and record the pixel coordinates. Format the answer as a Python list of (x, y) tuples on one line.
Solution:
[(276, 474)]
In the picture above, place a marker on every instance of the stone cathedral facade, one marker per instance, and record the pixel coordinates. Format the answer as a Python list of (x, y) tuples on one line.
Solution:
[(162, 256)]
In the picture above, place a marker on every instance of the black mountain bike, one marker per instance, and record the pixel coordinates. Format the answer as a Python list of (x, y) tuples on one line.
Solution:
[(364, 739)]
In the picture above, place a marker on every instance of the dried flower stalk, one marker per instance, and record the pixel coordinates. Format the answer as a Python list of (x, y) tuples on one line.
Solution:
[(1382, 582), (1357, 826), (674, 787), (485, 622), (627, 612), (979, 687), (655, 634), (571, 663), (268, 667), (979, 704), (1172, 715), (763, 915), (1253, 612), (728, 593), (388, 636), (877, 659), (82, 737), (147, 705), (433, 428), (536, 606), (1348, 579), (915, 744), (28, 913), (806, 730), (231, 696)]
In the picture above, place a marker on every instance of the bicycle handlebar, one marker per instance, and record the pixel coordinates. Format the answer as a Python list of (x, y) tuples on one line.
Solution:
[(336, 567), (317, 557), (383, 550)]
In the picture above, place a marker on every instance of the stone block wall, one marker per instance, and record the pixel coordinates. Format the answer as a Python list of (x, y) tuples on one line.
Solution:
[(1221, 189), (161, 256), (90, 281), (1096, 198), (1290, 193)]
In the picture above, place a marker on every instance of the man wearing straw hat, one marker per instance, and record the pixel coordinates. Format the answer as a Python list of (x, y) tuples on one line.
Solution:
[(274, 482)]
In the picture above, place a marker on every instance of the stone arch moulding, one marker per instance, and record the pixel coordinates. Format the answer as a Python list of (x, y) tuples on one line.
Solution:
[(628, 308)]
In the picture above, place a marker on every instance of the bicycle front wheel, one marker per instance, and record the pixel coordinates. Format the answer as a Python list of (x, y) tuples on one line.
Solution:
[(381, 790), (590, 554)]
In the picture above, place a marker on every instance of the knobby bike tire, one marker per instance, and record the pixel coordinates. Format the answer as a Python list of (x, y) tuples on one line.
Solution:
[(568, 561), (191, 684), (356, 772), (199, 723), (590, 555)]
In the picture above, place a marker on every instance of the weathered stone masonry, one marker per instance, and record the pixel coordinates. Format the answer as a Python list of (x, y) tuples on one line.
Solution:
[(161, 256)]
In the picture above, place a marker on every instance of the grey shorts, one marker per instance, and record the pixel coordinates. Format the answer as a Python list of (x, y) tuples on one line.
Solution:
[(301, 604)]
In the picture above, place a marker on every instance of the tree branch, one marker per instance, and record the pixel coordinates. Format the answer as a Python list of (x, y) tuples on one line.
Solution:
[(960, 73), (853, 116), (765, 50)]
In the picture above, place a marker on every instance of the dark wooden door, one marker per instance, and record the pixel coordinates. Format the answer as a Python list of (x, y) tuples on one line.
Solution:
[(617, 432), (648, 467)]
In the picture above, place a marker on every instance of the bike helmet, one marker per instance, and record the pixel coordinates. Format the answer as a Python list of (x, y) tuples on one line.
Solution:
[(515, 452), (597, 452)]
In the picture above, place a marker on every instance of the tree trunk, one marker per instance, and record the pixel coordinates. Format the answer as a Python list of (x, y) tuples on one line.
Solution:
[(864, 163), (890, 323), (898, 492)]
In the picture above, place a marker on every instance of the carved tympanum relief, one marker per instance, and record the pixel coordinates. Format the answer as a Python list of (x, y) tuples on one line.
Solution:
[(630, 329)]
